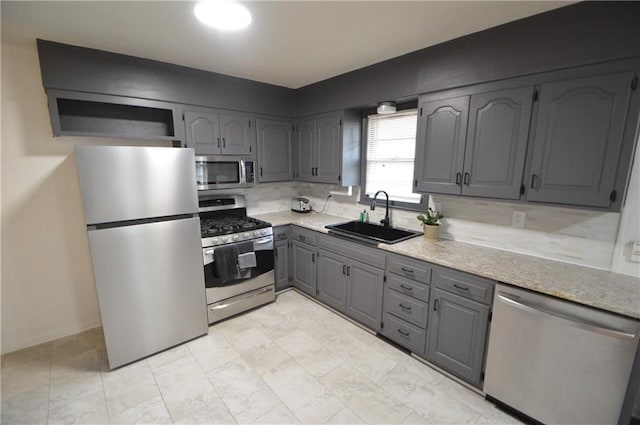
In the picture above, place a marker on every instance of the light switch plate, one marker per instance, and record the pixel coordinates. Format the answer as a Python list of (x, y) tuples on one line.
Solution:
[(518, 219)]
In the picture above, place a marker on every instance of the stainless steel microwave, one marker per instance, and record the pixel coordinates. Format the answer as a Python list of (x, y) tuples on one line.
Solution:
[(224, 172)]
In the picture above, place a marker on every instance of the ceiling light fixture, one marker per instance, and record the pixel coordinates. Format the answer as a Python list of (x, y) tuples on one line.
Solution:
[(386, 108), (223, 14)]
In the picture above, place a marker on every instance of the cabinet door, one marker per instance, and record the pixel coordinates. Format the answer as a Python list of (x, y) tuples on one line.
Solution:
[(303, 267), (274, 151), (203, 132), (305, 158), (497, 143), (577, 141), (235, 131), (364, 297), (442, 130), (281, 269), (332, 279), (328, 144), (457, 334)]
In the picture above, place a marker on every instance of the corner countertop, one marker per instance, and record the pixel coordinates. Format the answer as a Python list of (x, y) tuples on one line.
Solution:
[(601, 289)]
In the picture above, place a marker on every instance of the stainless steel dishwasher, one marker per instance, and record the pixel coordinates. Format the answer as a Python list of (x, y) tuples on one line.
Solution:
[(556, 361)]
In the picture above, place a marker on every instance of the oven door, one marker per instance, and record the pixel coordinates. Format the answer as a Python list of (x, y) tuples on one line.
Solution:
[(215, 278), (221, 172)]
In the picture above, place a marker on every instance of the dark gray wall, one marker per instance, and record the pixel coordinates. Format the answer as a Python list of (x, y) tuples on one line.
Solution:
[(574, 35), (77, 68)]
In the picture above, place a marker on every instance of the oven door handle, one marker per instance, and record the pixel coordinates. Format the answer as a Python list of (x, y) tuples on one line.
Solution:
[(208, 252), (263, 241)]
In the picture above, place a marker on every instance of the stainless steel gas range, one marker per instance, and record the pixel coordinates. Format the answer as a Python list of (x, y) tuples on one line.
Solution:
[(238, 256)]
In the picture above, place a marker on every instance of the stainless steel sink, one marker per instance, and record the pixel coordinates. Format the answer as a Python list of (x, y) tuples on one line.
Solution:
[(371, 233)]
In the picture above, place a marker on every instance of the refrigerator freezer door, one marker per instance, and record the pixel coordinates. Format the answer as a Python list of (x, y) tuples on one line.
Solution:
[(150, 284), (120, 183)]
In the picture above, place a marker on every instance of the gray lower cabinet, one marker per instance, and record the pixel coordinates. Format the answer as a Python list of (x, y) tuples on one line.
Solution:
[(303, 260), (275, 150), (458, 323), (406, 302), (215, 133), (351, 279), (474, 145), (577, 140), (282, 261)]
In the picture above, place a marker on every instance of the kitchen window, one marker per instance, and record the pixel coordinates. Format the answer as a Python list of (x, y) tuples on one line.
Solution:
[(389, 155)]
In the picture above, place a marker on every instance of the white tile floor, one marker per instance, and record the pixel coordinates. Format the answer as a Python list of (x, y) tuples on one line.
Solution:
[(290, 362)]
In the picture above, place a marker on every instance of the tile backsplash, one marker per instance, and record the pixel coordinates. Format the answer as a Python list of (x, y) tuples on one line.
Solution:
[(565, 234)]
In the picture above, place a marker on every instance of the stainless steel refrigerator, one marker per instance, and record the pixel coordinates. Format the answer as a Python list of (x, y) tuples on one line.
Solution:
[(141, 211)]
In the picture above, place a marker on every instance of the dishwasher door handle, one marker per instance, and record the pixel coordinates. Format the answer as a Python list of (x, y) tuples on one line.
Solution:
[(574, 322)]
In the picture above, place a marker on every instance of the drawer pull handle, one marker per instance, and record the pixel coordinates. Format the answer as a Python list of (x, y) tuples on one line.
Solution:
[(344, 269), (348, 270), (435, 304), (406, 288), (403, 332), (301, 237), (405, 307), (407, 270), (462, 288)]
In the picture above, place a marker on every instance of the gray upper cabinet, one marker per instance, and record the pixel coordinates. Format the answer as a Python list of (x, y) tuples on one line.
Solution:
[(497, 143), (236, 134), (211, 133), (328, 129), (275, 150), (328, 148), (305, 150), (577, 140), (474, 145), (442, 131)]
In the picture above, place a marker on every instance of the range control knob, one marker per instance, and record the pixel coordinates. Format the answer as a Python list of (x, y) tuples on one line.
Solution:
[(225, 239), (215, 241), (256, 233), (235, 237), (264, 231), (247, 234)]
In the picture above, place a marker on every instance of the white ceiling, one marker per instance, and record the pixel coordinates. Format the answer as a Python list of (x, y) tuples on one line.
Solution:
[(290, 43)]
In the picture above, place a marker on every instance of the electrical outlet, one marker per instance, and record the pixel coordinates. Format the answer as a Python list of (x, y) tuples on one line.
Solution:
[(518, 219)]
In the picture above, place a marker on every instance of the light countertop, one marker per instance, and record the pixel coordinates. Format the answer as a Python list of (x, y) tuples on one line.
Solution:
[(596, 288)]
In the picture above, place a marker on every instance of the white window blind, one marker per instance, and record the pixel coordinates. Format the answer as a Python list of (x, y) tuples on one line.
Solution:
[(391, 142)]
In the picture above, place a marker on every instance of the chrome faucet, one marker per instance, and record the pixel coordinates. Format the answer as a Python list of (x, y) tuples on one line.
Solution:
[(385, 220)]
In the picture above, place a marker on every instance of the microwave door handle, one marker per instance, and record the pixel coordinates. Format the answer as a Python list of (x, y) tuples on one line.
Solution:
[(243, 172)]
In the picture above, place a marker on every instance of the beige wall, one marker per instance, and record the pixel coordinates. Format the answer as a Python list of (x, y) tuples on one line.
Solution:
[(46, 276), (47, 280)]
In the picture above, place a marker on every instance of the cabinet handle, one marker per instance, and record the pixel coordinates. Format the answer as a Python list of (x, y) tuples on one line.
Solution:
[(348, 270), (302, 237), (260, 171), (224, 143), (435, 304), (403, 332), (344, 269), (275, 252), (404, 307), (218, 143), (462, 288), (534, 178), (313, 258), (407, 270), (466, 179), (406, 288), (458, 179)]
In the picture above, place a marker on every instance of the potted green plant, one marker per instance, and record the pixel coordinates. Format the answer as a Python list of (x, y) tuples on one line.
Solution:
[(430, 223)]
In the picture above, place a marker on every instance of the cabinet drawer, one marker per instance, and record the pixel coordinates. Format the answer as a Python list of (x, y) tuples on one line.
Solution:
[(408, 287), (303, 235), (406, 308), (466, 285), (405, 334), (280, 233), (353, 251), (409, 268)]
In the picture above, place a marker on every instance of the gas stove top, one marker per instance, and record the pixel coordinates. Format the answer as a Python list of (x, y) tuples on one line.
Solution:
[(223, 220), (210, 227)]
